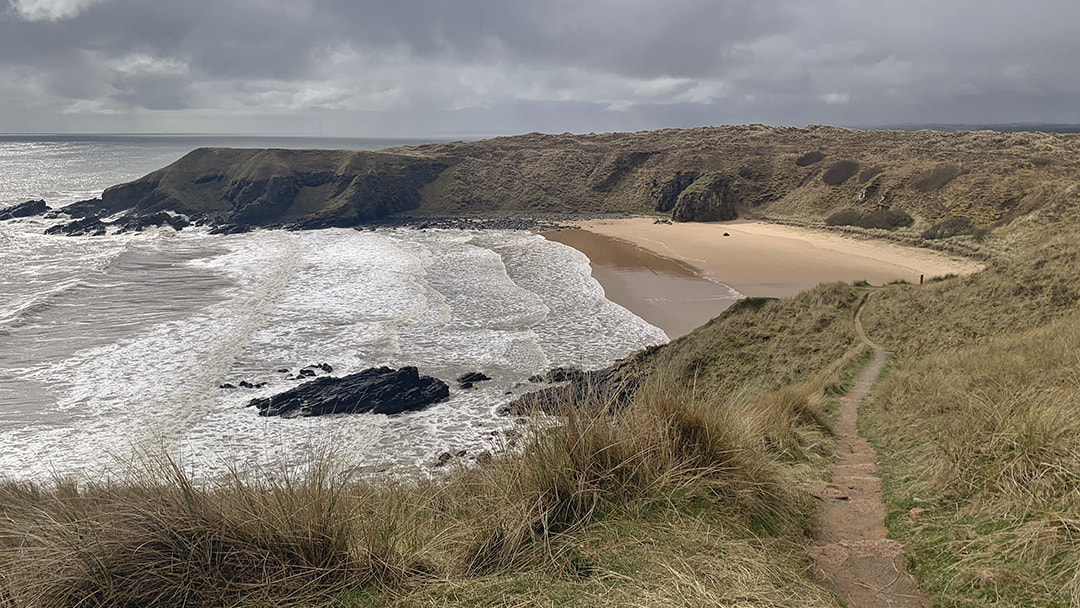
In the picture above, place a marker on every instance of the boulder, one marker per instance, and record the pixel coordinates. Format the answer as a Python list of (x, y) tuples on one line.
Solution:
[(26, 209), (466, 381), (473, 377), (379, 390)]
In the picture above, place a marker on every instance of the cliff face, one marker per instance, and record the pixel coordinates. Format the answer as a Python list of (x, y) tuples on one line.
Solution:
[(700, 174), (306, 188)]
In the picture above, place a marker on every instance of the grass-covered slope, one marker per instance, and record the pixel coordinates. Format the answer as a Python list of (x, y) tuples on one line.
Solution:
[(978, 422), (784, 172), (969, 180)]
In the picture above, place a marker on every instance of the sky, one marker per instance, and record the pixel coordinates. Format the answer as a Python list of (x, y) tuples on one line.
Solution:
[(464, 68)]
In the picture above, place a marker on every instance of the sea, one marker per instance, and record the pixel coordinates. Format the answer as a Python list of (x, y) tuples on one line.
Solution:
[(114, 349)]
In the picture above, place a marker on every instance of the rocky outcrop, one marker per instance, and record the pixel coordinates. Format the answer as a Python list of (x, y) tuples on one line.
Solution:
[(288, 188), (609, 388), (379, 390), (466, 381), (27, 209), (89, 226), (132, 222), (667, 194), (709, 199)]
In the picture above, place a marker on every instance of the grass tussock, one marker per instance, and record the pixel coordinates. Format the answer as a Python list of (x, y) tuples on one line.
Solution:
[(702, 486), (988, 437)]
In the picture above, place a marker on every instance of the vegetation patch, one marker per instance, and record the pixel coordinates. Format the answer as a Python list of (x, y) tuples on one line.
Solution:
[(952, 226), (839, 172), (810, 158), (886, 219), (986, 442), (871, 173), (935, 179)]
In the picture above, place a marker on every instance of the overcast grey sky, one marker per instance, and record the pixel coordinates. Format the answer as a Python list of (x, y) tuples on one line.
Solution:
[(478, 67)]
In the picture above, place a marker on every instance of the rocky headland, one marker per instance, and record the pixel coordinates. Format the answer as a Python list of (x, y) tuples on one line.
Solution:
[(946, 183)]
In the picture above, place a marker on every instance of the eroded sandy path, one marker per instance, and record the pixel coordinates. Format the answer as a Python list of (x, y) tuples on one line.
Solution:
[(853, 559)]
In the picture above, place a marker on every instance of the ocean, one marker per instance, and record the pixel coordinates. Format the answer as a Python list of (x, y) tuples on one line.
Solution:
[(113, 349)]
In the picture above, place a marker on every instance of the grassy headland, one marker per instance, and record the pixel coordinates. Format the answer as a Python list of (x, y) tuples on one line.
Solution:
[(689, 495)]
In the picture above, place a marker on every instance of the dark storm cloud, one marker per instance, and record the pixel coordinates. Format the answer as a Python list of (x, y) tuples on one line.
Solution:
[(516, 66)]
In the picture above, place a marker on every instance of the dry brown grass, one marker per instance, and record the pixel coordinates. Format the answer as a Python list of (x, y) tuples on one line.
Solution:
[(988, 437), (706, 482)]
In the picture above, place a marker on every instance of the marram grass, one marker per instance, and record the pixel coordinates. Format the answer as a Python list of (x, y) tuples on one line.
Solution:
[(674, 500)]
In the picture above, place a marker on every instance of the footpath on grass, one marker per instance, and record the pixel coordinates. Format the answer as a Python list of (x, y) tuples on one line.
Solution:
[(852, 556)]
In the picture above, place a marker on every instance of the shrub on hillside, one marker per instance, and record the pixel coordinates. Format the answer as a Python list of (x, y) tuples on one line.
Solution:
[(846, 217), (871, 173), (809, 158), (887, 219), (840, 172), (949, 227)]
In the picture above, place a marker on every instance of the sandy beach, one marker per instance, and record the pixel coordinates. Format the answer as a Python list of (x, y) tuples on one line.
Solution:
[(656, 270)]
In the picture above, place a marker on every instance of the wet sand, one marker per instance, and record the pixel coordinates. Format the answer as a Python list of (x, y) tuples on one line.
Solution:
[(666, 292), (661, 271)]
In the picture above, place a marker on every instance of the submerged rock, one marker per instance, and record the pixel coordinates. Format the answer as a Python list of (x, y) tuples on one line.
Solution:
[(466, 381), (379, 390), (90, 226)]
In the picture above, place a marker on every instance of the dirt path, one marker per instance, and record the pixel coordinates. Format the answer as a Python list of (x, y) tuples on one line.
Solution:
[(853, 559)]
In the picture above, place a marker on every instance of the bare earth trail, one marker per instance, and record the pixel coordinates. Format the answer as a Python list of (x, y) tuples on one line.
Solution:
[(853, 559)]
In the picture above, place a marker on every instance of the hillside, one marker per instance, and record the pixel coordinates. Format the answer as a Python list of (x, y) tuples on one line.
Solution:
[(694, 493), (985, 178)]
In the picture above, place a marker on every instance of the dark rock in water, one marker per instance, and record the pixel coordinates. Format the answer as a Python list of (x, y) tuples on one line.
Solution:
[(307, 373), (536, 378), (90, 226), (380, 390), (473, 377), (232, 229), (27, 209), (610, 388), (466, 381), (228, 386), (283, 370), (324, 367), (138, 223)]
